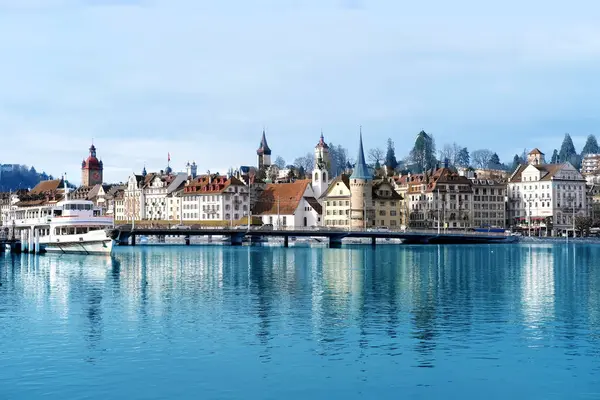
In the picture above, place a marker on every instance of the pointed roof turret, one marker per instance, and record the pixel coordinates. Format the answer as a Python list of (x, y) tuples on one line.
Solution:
[(264, 147), (361, 170), (322, 142)]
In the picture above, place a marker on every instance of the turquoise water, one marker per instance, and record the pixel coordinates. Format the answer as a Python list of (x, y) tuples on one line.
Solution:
[(201, 322)]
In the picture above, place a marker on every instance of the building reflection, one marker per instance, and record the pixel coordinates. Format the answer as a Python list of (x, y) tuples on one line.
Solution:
[(537, 286)]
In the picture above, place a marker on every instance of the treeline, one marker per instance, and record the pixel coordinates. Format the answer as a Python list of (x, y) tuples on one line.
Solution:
[(21, 177), (424, 156)]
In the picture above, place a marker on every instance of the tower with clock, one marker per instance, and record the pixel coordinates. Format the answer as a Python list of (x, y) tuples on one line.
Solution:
[(91, 169)]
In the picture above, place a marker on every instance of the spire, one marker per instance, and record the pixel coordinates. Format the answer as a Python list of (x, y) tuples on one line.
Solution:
[(322, 141), (361, 171), (264, 147)]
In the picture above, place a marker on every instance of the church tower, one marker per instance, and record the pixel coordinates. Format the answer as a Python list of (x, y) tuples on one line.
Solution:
[(320, 174), (362, 212), (264, 153), (91, 169)]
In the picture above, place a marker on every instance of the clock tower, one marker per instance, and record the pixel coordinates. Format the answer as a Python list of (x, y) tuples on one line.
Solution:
[(91, 169)]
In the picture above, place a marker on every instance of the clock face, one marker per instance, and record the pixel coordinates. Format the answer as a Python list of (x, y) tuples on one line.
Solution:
[(95, 175)]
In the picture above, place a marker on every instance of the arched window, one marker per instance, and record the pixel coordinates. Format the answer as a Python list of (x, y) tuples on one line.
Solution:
[(324, 176), (316, 176)]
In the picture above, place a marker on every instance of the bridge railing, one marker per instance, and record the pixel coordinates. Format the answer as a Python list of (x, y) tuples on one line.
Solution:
[(326, 230)]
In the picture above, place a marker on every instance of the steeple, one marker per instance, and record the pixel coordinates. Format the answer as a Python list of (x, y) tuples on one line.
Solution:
[(361, 171), (264, 147)]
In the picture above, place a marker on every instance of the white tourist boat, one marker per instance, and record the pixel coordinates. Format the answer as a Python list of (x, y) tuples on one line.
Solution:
[(68, 226)]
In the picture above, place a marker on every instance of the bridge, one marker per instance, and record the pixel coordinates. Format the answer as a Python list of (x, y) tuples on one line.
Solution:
[(127, 234)]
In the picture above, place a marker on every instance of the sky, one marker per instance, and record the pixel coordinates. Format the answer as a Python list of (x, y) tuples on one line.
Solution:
[(200, 79)]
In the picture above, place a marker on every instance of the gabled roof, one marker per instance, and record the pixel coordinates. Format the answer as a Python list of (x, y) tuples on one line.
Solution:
[(536, 151), (281, 198), (343, 179), (314, 203), (547, 171), (393, 194), (47, 186)]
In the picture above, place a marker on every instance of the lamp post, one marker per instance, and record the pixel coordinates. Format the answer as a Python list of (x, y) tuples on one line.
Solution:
[(529, 218)]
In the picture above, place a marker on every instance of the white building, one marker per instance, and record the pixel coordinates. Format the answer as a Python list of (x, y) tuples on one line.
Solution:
[(590, 164), (289, 205), (214, 197), (545, 198), (149, 196)]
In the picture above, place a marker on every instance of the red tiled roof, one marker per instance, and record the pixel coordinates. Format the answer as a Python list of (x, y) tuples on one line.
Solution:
[(281, 198), (213, 184), (536, 151)]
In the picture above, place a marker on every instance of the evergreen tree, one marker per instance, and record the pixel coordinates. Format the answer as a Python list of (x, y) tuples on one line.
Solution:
[(463, 159), (567, 151), (591, 146), (423, 152), (516, 162), (494, 162), (390, 156), (554, 159)]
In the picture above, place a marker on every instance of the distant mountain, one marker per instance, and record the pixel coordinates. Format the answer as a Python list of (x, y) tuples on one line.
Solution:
[(15, 176)]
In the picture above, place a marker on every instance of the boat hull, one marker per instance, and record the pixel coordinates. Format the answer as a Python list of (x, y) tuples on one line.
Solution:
[(81, 247)]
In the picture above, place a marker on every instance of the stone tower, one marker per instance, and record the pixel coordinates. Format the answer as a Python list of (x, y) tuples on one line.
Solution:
[(263, 153), (535, 157), (362, 212), (320, 174), (91, 169), (322, 153)]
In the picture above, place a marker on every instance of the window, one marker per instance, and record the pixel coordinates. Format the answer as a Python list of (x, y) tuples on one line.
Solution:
[(284, 220)]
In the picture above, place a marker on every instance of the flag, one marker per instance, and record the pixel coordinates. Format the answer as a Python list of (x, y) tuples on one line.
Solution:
[(169, 157)]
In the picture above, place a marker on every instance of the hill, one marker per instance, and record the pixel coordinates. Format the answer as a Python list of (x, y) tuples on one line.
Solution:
[(15, 176)]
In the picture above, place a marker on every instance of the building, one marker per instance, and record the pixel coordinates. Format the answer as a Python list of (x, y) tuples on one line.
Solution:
[(263, 153), (590, 165), (362, 212), (91, 169), (388, 204), (489, 203), (214, 197), (289, 205), (149, 196), (545, 199), (336, 202), (321, 173), (98, 194)]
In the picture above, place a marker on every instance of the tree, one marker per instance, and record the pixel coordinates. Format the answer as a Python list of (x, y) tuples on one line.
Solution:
[(554, 159), (390, 156), (279, 162), (481, 158), (339, 158), (463, 159), (583, 225), (305, 163), (423, 152), (516, 162), (591, 146), (494, 162), (567, 151), (375, 156)]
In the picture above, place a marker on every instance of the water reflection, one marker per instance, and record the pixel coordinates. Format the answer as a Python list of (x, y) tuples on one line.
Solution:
[(415, 307)]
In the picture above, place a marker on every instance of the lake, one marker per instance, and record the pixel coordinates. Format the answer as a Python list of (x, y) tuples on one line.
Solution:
[(220, 322)]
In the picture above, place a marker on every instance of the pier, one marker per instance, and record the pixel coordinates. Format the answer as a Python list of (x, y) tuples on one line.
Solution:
[(127, 235)]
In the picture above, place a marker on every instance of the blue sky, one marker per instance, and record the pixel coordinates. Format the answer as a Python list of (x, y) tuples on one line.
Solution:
[(200, 79)]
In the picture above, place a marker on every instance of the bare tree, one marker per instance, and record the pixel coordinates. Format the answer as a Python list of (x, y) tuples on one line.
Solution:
[(307, 162), (481, 158), (376, 155)]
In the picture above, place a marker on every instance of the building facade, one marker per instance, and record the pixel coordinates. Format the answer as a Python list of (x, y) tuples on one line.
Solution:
[(545, 199), (336, 203), (489, 203), (289, 205)]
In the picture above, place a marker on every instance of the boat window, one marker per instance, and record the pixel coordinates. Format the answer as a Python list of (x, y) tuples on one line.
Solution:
[(57, 213)]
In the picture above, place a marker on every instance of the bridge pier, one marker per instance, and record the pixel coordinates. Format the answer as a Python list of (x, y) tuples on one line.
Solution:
[(236, 239), (335, 242), (373, 241), (286, 239), (133, 240), (187, 240)]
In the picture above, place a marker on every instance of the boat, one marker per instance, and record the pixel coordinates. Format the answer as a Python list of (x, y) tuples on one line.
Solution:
[(68, 226)]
